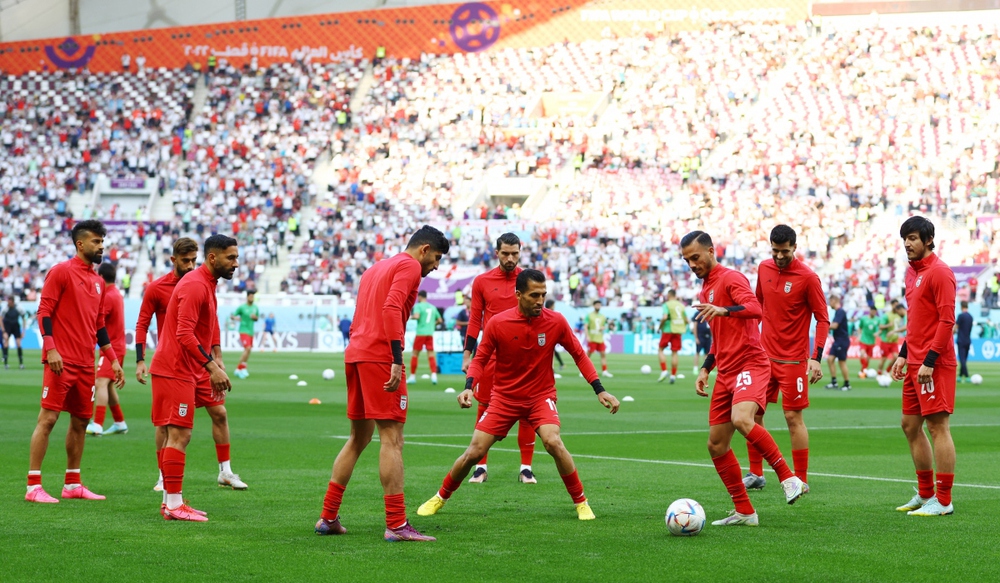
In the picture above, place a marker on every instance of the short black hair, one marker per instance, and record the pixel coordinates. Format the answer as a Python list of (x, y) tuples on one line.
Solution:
[(919, 225), (108, 272), (219, 243), (894, 301), (508, 239), (251, 292), (783, 234), (671, 293), (965, 305), (528, 275), (701, 237), (422, 294), (91, 226), (596, 302), (550, 304), (428, 235)]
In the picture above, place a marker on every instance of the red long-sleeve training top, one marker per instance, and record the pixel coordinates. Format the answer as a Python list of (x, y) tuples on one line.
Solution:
[(790, 298), (190, 328), (114, 318), (523, 349), (930, 311), (735, 338), (73, 299), (154, 302), (492, 292), (386, 296)]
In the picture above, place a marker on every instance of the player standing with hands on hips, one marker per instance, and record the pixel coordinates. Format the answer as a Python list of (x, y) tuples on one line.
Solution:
[(522, 340), (926, 365), (71, 315), (732, 310)]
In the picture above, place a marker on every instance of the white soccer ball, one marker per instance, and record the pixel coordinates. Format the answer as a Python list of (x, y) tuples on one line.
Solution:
[(871, 373), (685, 517), (883, 380), (977, 379), (328, 374), (646, 369)]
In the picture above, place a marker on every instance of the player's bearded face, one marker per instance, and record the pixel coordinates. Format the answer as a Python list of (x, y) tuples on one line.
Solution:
[(915, 248), (429, 260), (532, 300), (699, 258), (509, 256), (224, 264), (185, 263), (782, 253), (92, 247)]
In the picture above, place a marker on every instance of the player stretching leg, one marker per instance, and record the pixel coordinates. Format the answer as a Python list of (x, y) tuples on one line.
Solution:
[(154, 302), (427, 317), (10, 328), (71, 314), (247, 314), (730, 308), (494, 292), (114, 321), (927, 360), (182, 363), (672, 327), (521, 341), (596, 323), (790, 295), (376, 385)]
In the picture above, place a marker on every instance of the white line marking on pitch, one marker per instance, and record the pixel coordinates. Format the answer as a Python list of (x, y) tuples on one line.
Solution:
[(705, 430), (687, 464)]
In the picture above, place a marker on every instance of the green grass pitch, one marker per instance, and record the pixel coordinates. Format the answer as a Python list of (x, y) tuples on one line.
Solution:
[(632, 465)]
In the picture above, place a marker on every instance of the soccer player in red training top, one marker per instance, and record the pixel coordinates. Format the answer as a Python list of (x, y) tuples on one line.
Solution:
[(522, 341), (114, 321), (154, 302), (730, 308), (376, 385), (189, 336), (492, 293), (926, 365), (790, 296), (71, 313)]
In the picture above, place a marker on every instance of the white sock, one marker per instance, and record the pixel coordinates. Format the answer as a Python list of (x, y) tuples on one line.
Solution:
[(174, 501), (524, 467), (161, 476), (164, 496), (225, 467), (480, 466), (34, 473)]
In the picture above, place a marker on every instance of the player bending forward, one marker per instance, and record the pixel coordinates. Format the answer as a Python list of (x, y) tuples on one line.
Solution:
[(732, 310), (523, 340)]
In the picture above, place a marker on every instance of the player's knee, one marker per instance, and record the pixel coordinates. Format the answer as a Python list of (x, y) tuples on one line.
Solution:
[(716, 448), (553, 444), (219, 416), (911, 426), (793, 418), (744, 424)]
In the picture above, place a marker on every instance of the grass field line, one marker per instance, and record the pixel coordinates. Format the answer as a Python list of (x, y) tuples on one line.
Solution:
[(687, 464), (700, 430)]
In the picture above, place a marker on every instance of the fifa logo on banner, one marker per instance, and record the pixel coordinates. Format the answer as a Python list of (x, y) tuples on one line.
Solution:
[(541, 339), (788, 286), (182, 410)]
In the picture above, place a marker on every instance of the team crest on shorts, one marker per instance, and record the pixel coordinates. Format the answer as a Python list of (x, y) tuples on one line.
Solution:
[(711, 296), (45, 392), (919, 279), (402, 403), (182, 410), (788, 286), (541, 339)]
